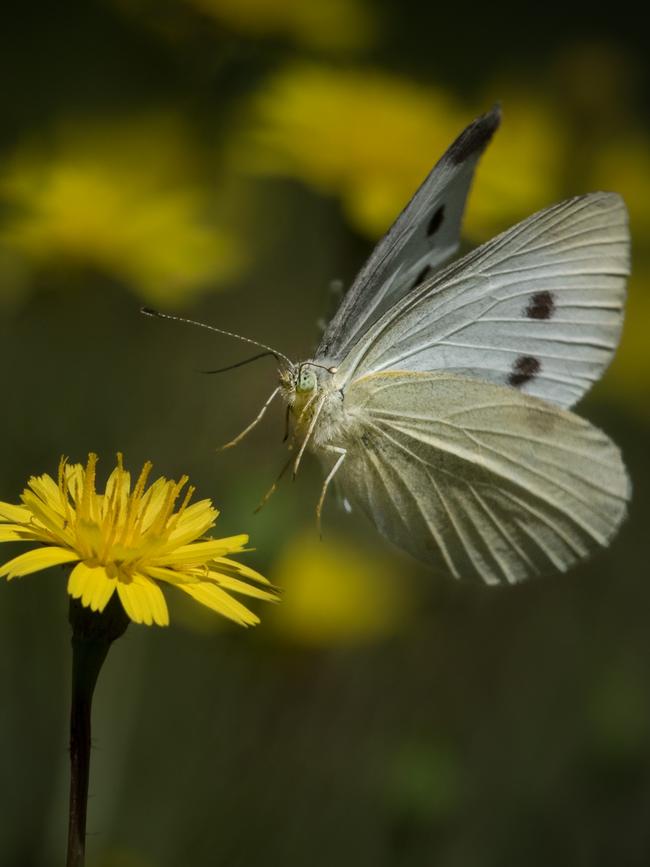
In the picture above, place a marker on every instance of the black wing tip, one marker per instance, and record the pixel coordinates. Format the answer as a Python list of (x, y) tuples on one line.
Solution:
[(475, 138)]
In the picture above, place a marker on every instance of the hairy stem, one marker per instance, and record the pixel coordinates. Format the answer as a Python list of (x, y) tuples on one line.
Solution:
[(92, 636)]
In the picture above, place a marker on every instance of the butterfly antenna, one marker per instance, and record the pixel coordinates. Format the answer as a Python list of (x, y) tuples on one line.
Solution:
[(240, 363), (322, 366), (149, 311)]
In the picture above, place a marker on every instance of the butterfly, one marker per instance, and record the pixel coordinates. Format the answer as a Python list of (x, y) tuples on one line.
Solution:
[(438, 397)]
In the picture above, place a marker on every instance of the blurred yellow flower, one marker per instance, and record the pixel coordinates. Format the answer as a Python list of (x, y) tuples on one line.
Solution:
[(125, 197), (129, 541), (370, 138), (335, 593), (323, 24), (363, 135)]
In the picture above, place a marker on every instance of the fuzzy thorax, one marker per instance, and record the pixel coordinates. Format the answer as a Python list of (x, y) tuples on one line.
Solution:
[(310, 389)]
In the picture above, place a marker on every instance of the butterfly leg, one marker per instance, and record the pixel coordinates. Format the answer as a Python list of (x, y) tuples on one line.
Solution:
[(341, 452), (287, 415), (310, 430), (250, 427), (267, 496)]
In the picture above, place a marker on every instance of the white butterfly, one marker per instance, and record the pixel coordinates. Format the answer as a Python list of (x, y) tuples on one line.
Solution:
[(438, 399)]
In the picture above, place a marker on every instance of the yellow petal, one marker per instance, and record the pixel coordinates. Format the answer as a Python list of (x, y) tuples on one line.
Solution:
[(200, 552), (240, 569), (195, 521), (242, 587), (118, 486), (46, 489), (92, 585), (216, 599), (174, 576), (52, 518), (153, 501), (121, 478), (143, 601), (8, 534), (18, 514), (33, 561), (74, 479), (18, 533)]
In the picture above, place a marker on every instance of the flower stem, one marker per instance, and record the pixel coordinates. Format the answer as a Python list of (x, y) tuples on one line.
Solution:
[(92, 636)]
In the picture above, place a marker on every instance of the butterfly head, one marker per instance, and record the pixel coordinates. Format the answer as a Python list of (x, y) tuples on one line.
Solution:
[(308, 376), (303, 383), (306, 379)]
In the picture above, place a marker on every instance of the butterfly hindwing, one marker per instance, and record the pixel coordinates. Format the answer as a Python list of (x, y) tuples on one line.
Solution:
[(426, 233), (481, 480), (540, 307)]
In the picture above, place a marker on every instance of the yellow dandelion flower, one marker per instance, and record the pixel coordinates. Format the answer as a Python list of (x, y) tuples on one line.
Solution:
[(129, 540)]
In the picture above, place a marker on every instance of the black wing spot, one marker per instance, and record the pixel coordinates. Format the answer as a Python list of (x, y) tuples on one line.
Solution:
[(424, 273), (525, 368), (541, 306), (475, 138), (436, 221)]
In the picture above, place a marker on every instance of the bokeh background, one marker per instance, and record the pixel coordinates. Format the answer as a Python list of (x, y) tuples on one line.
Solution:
[(226, 160)]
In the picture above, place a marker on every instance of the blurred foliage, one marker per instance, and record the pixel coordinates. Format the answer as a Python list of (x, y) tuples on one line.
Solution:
[(164, 151), (328, 24), (323, 25), (124, 197)]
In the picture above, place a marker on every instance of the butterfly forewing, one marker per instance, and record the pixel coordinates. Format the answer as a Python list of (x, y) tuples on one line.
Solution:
[(479, 479), (539, 308), (425, 234)]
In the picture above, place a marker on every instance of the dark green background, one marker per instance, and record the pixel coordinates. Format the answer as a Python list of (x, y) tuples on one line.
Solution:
[(497, 729)]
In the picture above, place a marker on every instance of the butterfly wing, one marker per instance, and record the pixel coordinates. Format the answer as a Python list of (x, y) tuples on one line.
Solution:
[(539, 307), (477, 479), (426, 233)]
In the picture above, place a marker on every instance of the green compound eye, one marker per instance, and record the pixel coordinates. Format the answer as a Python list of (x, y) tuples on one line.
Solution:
[(306, 380)]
